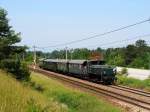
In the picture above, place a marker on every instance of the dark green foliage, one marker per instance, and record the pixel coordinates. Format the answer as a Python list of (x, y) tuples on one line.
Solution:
[(18, 69), (141, 62), (36, 86), (8, 37), (130, 53), (28, 56), (83, 53), (9, 53), (115, 56), (135, 55)]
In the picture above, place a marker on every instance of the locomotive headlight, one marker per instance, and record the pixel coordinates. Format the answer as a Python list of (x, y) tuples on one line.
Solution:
[(114, 70), (104, 72)]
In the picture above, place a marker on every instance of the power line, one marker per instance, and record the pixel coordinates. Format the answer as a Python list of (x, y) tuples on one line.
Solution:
[(119, 41), (128, 39), (98, 35)]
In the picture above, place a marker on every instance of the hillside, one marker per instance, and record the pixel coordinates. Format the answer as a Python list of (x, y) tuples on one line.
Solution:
[(15, 97), (43, 94)]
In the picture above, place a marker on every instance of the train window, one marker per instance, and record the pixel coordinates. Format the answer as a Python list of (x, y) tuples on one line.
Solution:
[(93, 62), (97, 62), (101, 62)]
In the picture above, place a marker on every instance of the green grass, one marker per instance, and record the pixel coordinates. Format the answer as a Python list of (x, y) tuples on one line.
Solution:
[(74, 100), (43, 94), (15, 97), (135, 83)]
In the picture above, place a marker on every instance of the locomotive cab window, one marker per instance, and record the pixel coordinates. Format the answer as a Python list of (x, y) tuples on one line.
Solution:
[(97, 62)]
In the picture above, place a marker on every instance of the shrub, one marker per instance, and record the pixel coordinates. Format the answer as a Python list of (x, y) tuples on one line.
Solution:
[(18, 69), (37, 87)]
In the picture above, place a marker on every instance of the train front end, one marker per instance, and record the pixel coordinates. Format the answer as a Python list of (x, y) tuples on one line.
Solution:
[(108, 74), (102, 72)]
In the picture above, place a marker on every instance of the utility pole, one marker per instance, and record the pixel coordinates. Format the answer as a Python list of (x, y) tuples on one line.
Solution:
[(149, 63), (66, 53), (71, 51), (57, 53), (34, 59)]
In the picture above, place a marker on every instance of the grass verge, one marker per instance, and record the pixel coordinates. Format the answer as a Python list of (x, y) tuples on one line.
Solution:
[(74, 100), (135, 83), (43, 94), (15, 97)]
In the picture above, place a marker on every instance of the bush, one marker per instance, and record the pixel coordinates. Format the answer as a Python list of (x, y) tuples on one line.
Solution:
[(18, 69), (37, 87)]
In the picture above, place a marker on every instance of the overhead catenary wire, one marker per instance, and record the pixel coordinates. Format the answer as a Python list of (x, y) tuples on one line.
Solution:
[(118, 41), (66, 48), (98, 35)]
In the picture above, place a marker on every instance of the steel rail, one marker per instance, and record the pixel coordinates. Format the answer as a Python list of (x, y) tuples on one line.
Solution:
[(132, 90), (134, 101)]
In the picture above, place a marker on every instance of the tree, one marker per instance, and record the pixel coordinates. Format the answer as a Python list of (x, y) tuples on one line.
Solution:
[(82, 53), (140, 43), (9, 59), (130, 54), (8, 37), (141, 61), (142, 48)]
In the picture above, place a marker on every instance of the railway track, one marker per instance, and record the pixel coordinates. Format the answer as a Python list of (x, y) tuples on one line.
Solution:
[(132, 96), (132, 90)]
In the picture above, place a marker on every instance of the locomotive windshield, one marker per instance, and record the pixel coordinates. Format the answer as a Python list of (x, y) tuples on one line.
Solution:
[(97, 62)]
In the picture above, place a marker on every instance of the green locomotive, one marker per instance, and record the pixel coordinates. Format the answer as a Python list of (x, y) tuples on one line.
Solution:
[(95, 70)]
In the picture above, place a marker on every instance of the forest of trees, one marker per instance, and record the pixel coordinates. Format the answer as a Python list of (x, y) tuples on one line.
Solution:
[(135, 55)]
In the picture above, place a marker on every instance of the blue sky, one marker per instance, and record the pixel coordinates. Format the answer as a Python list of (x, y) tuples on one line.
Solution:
[(50, 22)]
